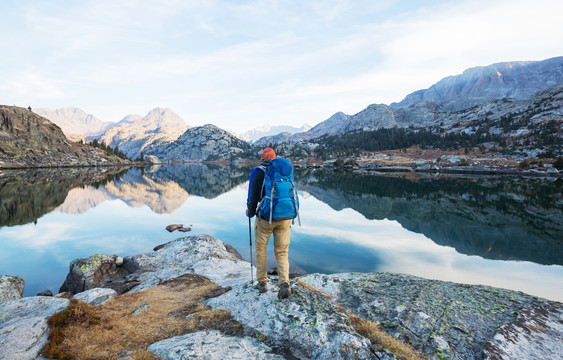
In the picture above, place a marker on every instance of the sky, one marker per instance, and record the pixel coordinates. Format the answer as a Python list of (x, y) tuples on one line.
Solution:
[(244, 64)]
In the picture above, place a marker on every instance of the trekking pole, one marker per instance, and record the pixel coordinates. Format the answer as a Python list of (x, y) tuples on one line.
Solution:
[(251, 261)]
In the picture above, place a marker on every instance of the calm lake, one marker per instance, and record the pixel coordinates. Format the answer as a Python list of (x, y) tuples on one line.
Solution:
[(500, 231)]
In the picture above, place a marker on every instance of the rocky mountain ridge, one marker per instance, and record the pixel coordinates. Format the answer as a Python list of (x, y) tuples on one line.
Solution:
[(29, 140), (517, 80), (135, 134), (202, 143), (489, 92)]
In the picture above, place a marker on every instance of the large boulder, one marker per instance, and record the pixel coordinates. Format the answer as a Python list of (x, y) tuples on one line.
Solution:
[(198, 254), (11, 288), (23, 325), (92, 272), (211, 345)]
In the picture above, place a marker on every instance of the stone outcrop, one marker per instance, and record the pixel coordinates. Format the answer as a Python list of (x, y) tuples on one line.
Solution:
[(306, 323), (200, 254), (11, 288), (438, 318), (211, 344), (29, 140), (442, 320), (537, 333), (23, 325), (96, 296)]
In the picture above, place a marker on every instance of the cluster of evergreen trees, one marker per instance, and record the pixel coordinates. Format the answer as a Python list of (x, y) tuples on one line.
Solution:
[(398, 138), (108, 149)]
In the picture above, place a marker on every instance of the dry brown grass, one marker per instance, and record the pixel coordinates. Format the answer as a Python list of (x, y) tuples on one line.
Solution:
[(110, 331), (373, 332)]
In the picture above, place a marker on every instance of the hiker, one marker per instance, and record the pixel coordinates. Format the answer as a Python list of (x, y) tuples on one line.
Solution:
[(274, 213)]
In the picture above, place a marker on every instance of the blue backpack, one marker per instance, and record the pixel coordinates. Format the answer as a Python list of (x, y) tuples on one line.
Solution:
[(280, 201)]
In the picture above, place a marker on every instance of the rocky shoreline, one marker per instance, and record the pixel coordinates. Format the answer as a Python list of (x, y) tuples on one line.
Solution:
[(440, 320)]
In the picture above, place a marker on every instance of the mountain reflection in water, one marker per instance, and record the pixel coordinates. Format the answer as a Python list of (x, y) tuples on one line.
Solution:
[(506, 218), (371, 223)]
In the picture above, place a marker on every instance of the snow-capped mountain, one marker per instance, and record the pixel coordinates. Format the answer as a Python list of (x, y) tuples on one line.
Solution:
[(269, 130)]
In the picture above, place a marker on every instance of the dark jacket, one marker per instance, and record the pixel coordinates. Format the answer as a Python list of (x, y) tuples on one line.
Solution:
[(255, 190)]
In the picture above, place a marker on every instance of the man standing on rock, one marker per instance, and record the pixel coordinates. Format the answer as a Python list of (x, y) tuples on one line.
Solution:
[(272, 197)]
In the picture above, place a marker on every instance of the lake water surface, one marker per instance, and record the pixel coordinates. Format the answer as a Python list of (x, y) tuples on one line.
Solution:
[(500, 231)]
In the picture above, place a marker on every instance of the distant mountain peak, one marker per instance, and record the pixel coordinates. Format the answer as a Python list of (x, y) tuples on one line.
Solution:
[(271, 130), (515, 79), (74, 121)]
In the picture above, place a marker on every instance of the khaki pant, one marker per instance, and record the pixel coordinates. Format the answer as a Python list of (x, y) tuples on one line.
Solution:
[(262, 231)]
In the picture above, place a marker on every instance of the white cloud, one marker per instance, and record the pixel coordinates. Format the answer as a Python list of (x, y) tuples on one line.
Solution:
[(31, 84), (242, 64)]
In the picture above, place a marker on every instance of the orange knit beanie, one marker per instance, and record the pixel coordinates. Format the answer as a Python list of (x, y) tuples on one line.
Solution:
[(268, 153)]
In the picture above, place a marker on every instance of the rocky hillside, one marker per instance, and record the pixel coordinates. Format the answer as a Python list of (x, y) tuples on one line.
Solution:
[(517, 80), (135, 134), (74, 122), (29, 140), (202, 143), (531, 128), (512, 100)]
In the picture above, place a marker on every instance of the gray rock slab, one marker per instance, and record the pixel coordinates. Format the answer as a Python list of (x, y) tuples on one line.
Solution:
[(23, 325), (537, 333), (11, 287), (199, 254), (211, 345), (444, 320), (97, 296), (306, 323)]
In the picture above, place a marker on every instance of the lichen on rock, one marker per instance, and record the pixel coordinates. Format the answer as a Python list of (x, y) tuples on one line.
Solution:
[(11, 288)]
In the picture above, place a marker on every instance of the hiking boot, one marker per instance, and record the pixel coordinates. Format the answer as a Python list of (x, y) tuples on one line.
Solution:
[(285, 291), (262, 287)]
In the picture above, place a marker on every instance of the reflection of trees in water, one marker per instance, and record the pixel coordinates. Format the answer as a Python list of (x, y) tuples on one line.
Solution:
[(507, 218), (206, 180), (26, 195)]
